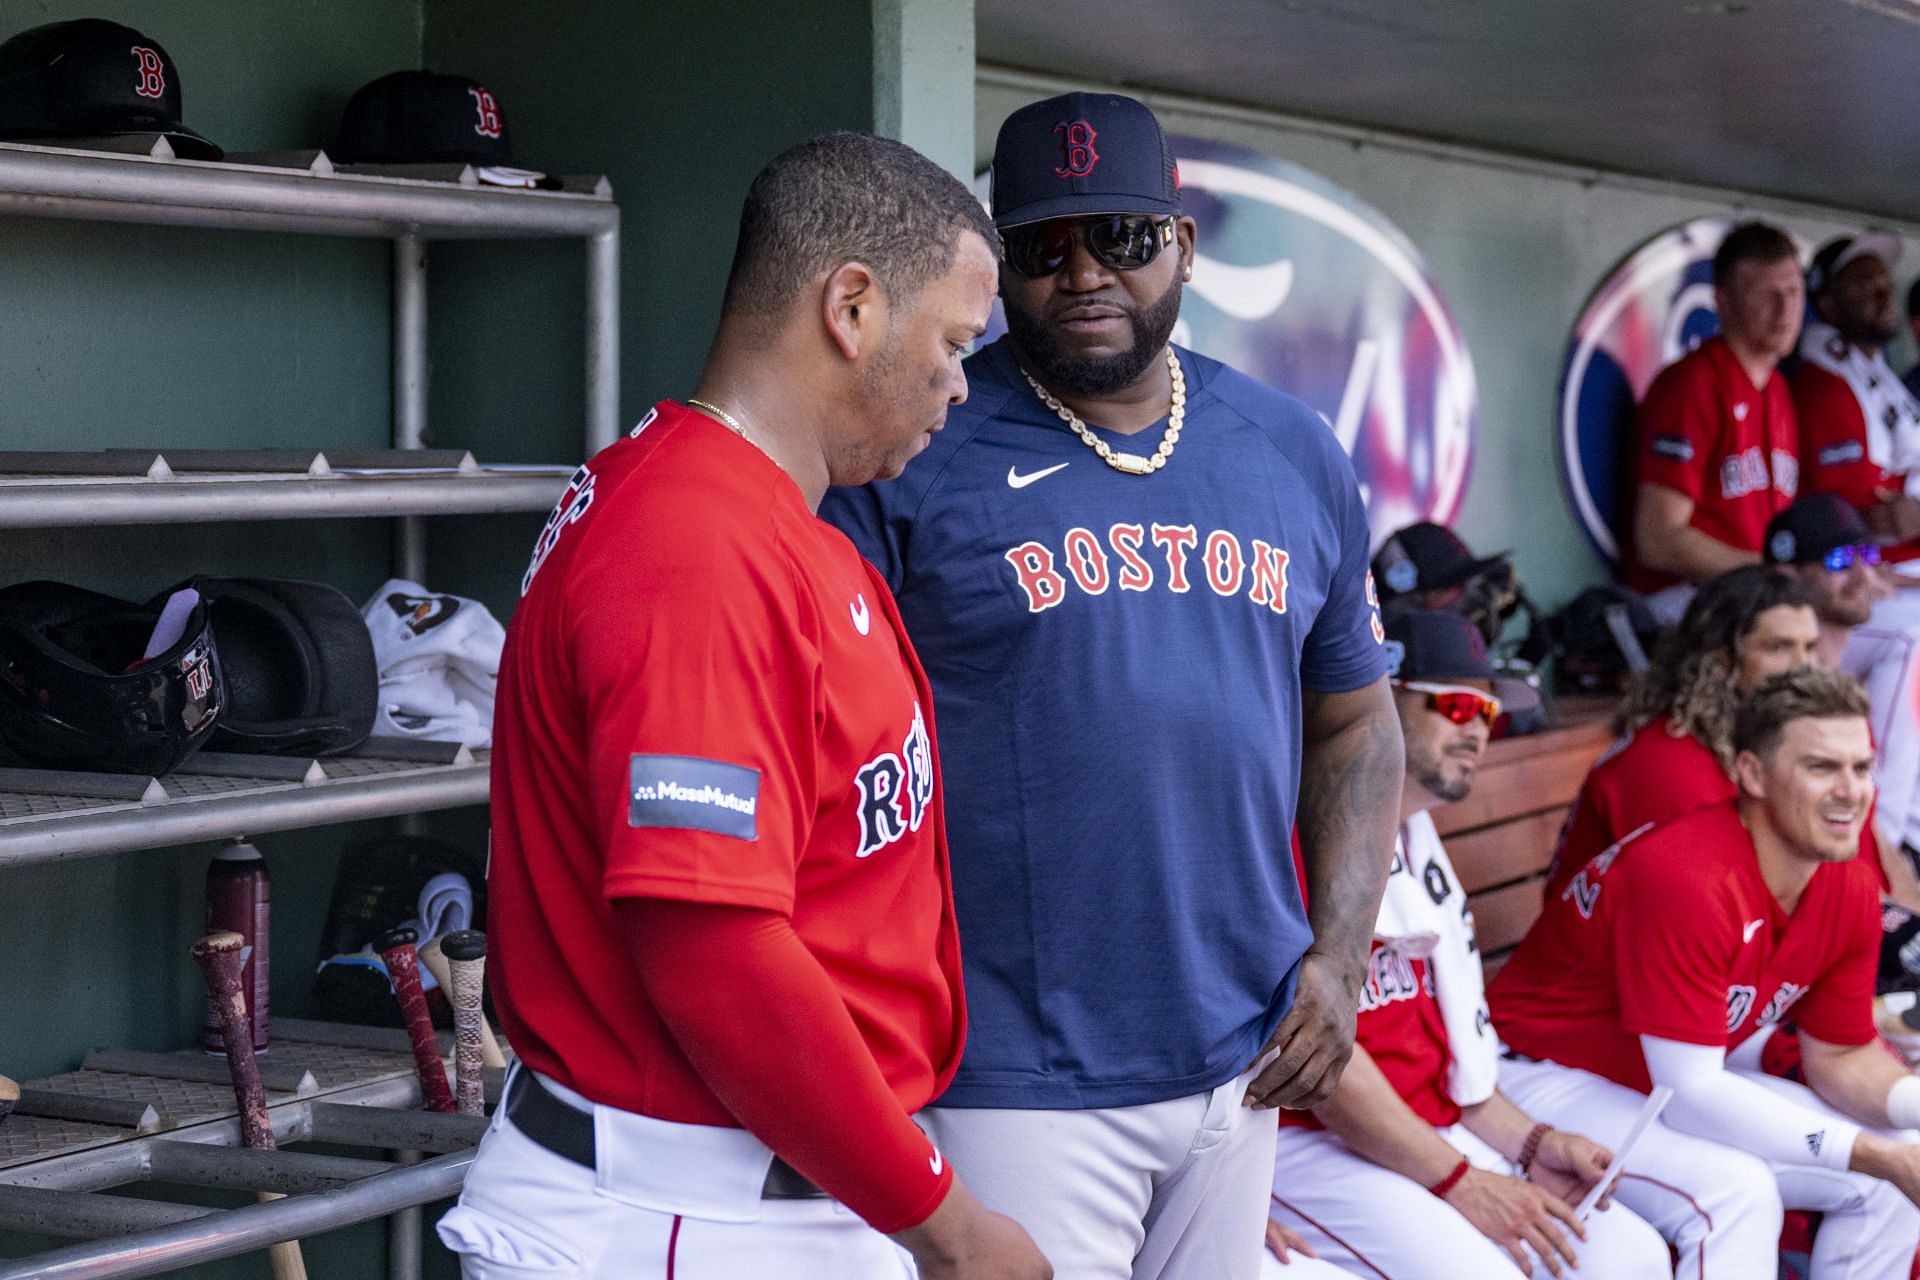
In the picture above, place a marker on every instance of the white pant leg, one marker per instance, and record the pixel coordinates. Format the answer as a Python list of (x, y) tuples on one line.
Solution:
[(527, 1214), (1720, 1207), (1369, 1221), (1868, 1230), (1171, 1190), (1208, 1211)]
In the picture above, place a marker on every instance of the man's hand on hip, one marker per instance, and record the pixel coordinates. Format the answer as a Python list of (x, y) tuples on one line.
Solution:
[(1314, 1039)]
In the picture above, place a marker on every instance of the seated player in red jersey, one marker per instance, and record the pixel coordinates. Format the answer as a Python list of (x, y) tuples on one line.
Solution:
[(1716, 447), (1675, 748), (1666, 959), (1424, 1167)]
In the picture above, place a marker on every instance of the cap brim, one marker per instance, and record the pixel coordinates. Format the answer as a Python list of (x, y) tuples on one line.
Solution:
[(191, 146), (1515, 695), (1883, 245), (1083, 205), (1472, 569)]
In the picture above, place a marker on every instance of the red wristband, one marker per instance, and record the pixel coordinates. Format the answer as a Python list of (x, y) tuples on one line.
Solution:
[(1452, 1180), (1531, 1147)]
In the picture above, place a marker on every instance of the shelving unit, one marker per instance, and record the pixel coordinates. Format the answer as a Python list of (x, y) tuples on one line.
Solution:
[(43, 820)]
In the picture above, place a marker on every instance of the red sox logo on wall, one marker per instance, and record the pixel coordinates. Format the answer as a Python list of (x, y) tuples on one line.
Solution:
[(153, 72), (1077, 156), (488, 111)]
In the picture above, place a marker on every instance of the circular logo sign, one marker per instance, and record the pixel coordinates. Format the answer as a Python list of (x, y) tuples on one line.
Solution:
[(1653, 308), (1305, 287)]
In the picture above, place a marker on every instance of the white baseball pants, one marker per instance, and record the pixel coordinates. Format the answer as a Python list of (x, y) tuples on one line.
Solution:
[(1721, 1207), (1370, 1221), (1172, 1190), (666, 1202)]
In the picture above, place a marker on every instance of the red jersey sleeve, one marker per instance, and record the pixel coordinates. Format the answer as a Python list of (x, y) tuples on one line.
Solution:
[(1676, 429), (1675, 939), (699, 689), (1833, 438), (1839, 1008)]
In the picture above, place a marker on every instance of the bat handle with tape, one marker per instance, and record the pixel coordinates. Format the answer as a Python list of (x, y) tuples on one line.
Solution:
[(221, 956), (466, 953), (403, 966), (435, 960)]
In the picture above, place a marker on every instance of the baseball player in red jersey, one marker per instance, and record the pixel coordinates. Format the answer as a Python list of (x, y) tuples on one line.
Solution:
[(1666, 959), (1424, 1167), (1675, 747), (1716, 442), (723, 931)]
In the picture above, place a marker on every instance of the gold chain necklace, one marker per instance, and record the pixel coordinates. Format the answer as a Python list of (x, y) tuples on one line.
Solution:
[(726, 420), (1131, 463)]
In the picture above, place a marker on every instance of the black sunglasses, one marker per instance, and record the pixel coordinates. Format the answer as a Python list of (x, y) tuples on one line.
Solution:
[(1122, 241)]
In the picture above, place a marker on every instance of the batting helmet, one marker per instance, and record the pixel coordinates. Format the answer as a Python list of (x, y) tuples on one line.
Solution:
[(77, 690)]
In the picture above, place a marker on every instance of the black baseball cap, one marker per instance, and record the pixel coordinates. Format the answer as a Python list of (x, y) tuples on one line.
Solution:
[(431, 117), (1434, 645), (89, 78), (1426, 557), (1804, 532), (1081, 154)]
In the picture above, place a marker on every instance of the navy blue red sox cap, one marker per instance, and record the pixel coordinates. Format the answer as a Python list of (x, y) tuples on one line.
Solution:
[(1081, 154), (431, 117), (90, 78), (1806, 531), (1438, 646)]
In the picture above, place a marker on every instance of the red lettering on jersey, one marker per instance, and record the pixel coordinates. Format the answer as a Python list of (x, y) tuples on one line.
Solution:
[(487, 113), (1226, 567), (1135, 573), (1087, 561), (152, 72), (1270, 577), (1033, 567), (1077, 156), (1179, 540)]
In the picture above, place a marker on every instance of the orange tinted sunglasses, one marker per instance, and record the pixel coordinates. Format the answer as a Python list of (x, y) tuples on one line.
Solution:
[(1454, 703)]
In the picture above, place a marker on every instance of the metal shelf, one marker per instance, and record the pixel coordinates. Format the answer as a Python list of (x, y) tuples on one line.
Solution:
[(42, 502), (46, 826)]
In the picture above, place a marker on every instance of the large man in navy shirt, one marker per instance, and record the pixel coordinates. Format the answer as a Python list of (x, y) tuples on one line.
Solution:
[(1139, 583)]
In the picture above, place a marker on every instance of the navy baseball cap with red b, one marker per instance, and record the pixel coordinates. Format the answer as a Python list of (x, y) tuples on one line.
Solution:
[(1082, 154), (88, 77)]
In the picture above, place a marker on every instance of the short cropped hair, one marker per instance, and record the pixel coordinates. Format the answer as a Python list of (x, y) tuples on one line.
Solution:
[(848, 197), (1809, 693), (1750, 242)]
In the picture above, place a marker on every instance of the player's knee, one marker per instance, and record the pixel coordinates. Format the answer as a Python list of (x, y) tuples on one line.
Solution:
[(1744, 1191), (1632, 1249), (1886, 1206)]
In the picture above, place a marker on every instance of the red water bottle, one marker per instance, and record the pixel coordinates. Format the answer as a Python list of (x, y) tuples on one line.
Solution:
[(238, 896)]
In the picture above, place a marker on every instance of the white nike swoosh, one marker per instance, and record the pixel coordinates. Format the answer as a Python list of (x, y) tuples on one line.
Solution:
[(1753, 927), (1018, 481), (862, 619), (935, 1163)]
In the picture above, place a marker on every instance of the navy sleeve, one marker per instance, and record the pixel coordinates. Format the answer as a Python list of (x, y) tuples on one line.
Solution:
[(870, 517), (1346, 647)]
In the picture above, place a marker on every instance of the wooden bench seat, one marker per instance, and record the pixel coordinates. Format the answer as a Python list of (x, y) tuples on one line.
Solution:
[(1501, 836)]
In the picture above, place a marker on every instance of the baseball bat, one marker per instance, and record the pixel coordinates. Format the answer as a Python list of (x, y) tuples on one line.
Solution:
[(9, 1097), (435, 959), (403, 965), (221, 957), (466, 954)]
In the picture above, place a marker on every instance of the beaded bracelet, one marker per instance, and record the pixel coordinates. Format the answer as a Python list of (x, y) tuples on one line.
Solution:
[(1531, 1147), (1452, 1180)]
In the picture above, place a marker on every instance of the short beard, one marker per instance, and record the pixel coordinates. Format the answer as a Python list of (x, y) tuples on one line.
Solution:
[(1429, 769), (1084, 376), (1868, 332)]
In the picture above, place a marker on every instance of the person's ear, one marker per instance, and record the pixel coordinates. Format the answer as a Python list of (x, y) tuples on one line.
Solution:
[(1751, 774), (853, 309), (1185, 232)]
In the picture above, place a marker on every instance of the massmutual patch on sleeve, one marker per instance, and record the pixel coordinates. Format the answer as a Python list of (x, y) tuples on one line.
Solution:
[(1679, 448), (692, 794)]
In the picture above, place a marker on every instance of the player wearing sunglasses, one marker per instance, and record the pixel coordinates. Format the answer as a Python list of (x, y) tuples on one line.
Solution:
[(1419, 1165), (1139, 582)]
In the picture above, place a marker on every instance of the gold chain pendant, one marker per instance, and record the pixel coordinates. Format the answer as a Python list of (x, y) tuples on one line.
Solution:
[(1130, 463)]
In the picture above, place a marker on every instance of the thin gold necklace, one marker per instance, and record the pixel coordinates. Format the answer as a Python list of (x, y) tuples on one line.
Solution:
[(1131, 463), (726, 420)]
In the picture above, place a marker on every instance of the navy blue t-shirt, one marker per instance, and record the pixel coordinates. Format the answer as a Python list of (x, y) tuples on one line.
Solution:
[(1117, 663)]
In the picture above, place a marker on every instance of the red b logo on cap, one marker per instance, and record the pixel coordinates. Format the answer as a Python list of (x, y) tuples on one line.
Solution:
[(1077, 156), (153, 72), (488, 111)]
